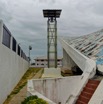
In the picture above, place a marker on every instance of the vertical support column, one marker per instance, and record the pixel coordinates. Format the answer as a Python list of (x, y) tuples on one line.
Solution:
[(52, 42), (48, 42), (1, 31), (1, 36), (11, 43), (55, 43)]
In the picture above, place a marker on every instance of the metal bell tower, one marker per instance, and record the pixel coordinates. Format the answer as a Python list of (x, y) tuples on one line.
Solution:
[(52, 35)]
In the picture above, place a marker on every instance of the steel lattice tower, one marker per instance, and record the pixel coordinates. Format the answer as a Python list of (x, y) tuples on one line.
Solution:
[(52, 36)]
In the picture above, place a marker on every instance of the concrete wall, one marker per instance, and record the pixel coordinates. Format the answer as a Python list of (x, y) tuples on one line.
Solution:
[(67, 61), (84, 63), (56, 89), (67, 90), (88, 66), (12, 68)]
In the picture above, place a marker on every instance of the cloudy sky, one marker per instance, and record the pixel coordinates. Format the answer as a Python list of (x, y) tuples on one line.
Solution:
[(24, 18)]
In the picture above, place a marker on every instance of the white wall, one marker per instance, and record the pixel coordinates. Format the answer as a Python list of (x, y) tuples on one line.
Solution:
[(12, 68), (84, 63), (88, 66), (67, 61), (56, 89)]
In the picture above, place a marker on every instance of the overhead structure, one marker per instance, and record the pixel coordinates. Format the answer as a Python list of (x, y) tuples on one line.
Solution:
[(52, 14)]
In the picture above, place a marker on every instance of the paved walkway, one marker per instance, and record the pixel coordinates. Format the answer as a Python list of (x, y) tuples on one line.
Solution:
[(18, 98), (52, 73)]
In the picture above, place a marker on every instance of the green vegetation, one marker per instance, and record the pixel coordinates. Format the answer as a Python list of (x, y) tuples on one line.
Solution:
[(30, 73), (34, 100)]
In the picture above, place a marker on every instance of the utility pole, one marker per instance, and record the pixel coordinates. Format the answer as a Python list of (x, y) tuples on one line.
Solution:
[(30, 48)]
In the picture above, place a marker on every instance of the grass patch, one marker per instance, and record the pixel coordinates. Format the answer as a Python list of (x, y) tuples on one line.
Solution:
[(30, 73)]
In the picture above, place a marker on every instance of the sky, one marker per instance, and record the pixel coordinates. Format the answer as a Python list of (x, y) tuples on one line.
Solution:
[(24, 18)]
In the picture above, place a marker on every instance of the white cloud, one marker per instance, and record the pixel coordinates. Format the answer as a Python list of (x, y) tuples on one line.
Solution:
[(25, 19)]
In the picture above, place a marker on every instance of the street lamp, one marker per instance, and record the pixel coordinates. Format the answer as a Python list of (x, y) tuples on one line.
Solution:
[(30, 48)]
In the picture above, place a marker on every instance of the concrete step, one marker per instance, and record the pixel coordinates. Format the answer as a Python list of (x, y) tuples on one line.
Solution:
[(87, 92), (80, 102), (92, 86), (88, 95), (83, 99), (94, 82)]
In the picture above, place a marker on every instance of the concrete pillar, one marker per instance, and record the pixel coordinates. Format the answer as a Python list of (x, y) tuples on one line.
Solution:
[(11, 42), (1, 30)]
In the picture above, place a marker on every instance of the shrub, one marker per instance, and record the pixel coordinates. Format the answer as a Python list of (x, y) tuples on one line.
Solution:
[(34, 100)]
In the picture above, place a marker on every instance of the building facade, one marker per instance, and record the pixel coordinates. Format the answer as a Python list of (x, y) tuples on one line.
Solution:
[(13, 62), (42, 61)]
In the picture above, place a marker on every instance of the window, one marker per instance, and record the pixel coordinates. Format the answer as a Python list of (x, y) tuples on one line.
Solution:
[(14, 45), (18, 50), (6, 37), (24, 56)]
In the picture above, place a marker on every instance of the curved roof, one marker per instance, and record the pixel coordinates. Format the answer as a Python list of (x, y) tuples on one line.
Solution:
[(90, 45)]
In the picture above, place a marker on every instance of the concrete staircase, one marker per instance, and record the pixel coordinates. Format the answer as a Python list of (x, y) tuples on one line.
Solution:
[(87, 92)]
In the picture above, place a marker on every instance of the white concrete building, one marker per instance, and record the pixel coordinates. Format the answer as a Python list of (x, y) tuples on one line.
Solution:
[(86, 52), (13, 62), (42, 61)]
